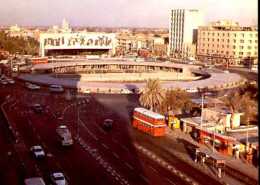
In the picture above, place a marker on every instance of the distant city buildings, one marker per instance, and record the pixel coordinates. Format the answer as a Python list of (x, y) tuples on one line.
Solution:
[(227, 42), (183, 32)]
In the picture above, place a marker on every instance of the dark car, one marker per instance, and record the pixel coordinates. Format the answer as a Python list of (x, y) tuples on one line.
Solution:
[(37, 108), (108, 124)]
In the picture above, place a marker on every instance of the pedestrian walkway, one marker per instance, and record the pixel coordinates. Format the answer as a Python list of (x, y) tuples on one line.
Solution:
[(233, 164)]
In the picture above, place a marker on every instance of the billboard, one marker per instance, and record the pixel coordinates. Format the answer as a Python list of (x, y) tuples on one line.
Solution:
[(77, 41)]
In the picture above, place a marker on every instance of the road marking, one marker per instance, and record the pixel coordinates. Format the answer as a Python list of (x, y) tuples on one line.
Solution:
[(104, 145), (144, 178), (153, 169), (115, 155), (170, 181), (124, 147), (129, 166)]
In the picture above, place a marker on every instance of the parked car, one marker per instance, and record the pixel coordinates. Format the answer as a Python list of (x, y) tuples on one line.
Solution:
[(4, 82), (58, 178), (108, 124), (38, 151)]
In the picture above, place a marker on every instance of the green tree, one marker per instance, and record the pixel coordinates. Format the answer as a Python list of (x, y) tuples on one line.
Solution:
[(152, 95), (176, 100)]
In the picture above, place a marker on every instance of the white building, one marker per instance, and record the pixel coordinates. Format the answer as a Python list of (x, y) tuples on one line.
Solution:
[(183, 32)]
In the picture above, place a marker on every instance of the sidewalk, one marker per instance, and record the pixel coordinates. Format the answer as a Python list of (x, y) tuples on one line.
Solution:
[(232, 165)]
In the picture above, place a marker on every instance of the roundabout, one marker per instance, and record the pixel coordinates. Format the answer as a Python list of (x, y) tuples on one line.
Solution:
[(125, 76)]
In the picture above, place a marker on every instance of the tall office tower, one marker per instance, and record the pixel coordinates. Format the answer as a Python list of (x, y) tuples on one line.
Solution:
[(183, 32)]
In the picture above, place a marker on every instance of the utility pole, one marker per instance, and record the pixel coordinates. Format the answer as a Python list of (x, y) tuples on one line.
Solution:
[(202, 106), (77, 118)]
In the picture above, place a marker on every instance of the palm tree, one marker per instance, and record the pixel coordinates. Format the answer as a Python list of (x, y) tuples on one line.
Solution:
[(152, 95), (176, 100), (243, 103)]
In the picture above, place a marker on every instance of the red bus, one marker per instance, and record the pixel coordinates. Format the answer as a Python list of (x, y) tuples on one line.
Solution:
[(149, 122)]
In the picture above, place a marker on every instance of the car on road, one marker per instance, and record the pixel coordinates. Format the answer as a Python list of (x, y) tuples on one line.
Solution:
[(37, 151), (56, 88), (108, 124), (4, 82), (191, 90), (57, 178), (32, 86), (10, 81), (226, 71), (34, 181), (37, 108)]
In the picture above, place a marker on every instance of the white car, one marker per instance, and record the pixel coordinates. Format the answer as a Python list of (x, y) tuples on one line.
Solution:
[(4, 82), (56, 88), (10, 81), (33, 87), (191, 90), (38, 151), (226, 71), (58, 178)]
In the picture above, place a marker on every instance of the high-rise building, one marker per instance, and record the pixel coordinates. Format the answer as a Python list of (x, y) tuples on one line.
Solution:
[(183, 32), (228, 43)]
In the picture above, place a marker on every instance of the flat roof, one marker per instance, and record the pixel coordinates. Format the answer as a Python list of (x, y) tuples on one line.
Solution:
[(149, 113)]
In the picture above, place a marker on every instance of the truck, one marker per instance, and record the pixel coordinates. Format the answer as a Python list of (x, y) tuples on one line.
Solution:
[(64, 135)]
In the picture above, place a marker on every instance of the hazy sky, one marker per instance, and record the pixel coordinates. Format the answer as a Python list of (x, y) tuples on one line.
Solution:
[(139, 13)]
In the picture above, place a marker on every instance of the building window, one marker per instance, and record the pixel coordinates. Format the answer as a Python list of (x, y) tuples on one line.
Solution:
[(251, 35), (240, 53), (217, 45), (234, 40), (218, 40), (223, 34), (242, 34), (249, 47), (228, 34), (223, 46), (212, 45), (255, 53), (218, 34), (208, 33), (234, 53), (227, 52), (256, 35), (235, 34), (248, 53), (227, 46), (234, 47), (213, 34), (222, 40), (208, 39), (241, 41), (213, 40), (241, 47), (203, 33), (250, 41), (256, 41), (208, 45)]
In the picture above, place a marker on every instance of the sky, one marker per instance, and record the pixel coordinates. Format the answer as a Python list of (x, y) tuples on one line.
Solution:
[(120, 13)]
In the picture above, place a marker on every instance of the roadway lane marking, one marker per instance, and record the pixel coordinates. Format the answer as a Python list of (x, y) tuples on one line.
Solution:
[(154, 169), (116, 156), (170, 181), (104, 145), (129, 166), (144, 178), (126, 149), (115, 141)]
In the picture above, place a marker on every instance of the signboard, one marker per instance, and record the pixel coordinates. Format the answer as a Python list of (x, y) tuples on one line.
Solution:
[(77, 40)]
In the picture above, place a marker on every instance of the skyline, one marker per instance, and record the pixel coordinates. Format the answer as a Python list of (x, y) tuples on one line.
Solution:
[(120, 13)]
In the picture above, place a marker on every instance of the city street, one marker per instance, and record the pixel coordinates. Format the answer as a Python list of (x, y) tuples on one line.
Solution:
[(97, 156)]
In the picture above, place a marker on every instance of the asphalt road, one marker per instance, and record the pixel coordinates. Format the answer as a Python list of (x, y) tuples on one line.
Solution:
[(100, 157)]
